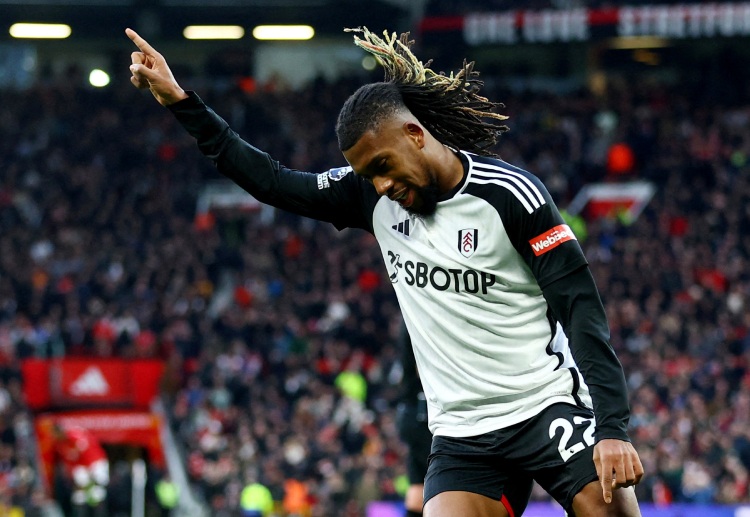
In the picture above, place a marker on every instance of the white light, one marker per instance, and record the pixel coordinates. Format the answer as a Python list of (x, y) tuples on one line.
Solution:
[(283, 32), (213, 32), (369, 63), (40, 30), (98, 78)]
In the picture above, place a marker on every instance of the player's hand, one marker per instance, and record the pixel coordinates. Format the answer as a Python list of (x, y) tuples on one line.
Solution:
[(617, 464), (150, 70)]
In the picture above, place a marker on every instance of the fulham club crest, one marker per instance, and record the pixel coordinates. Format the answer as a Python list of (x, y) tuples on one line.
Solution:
[(468, 240)]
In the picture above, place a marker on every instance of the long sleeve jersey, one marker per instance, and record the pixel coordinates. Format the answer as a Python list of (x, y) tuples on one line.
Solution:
[(504, 315)]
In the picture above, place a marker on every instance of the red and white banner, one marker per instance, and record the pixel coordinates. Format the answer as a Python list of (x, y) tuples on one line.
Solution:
[(623, 201), (78, 382), (679, 21), (81, 381)]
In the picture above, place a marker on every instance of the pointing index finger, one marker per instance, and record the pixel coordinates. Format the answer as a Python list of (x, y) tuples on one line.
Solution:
[(141, 43), (607, 484)]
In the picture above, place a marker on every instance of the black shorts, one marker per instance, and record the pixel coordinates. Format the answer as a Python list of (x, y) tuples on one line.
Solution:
[(411, 419), (554, 448)]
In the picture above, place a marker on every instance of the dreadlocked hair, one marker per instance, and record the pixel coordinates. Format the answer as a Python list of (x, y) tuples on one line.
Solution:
[(449, 106)]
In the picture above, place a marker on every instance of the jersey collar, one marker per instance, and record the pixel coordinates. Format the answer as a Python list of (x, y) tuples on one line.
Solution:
[(465, 164)]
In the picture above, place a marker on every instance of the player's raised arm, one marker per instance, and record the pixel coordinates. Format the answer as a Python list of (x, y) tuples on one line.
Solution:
[(150, 70), (334, 196)]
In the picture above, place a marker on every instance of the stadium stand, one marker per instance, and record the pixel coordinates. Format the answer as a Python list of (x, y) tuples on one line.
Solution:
[(257, 315)]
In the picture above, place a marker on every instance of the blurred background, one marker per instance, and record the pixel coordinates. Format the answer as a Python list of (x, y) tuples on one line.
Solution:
[(214, 350)]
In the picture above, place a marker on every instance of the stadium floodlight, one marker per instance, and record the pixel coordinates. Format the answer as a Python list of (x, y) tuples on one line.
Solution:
[(98, 78), (283, 32), (213, 32), (40, 30)]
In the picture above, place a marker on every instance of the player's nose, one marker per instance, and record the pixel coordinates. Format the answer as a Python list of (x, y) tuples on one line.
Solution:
[(382, 185)]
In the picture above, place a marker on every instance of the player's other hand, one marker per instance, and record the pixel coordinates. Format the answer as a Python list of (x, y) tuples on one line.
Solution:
[(617, 464), (150, 70)]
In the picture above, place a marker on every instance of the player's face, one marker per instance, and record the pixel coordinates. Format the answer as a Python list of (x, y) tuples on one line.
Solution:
[(394, 159)]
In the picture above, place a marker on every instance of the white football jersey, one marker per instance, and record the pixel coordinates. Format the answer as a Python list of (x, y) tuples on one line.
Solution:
[(489, 353)]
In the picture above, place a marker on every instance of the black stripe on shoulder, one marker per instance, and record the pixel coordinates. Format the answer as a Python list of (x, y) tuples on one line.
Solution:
[(524, 187)]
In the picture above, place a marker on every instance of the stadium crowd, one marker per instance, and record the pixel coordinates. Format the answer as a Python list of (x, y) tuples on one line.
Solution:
[(280, 332)]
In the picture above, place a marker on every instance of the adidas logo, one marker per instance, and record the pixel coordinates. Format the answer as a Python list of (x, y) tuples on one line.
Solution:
[(90, 382), (402, 227)]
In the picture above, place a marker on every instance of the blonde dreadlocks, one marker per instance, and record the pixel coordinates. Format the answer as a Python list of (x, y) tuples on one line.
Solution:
[(450, 107)]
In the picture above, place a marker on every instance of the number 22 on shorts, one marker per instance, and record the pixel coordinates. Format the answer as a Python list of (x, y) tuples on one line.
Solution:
[(567, 432)]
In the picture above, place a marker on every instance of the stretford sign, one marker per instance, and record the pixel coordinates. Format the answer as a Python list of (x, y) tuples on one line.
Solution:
[(705, 20)]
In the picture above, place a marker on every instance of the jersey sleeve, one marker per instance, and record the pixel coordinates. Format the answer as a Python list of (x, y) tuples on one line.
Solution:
[(337, 196), (536, 228), (552, 252), (574, 301)]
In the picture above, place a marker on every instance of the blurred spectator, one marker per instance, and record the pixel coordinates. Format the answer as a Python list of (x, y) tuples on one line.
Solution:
[(167, 494), (86, 467), (256, 500)]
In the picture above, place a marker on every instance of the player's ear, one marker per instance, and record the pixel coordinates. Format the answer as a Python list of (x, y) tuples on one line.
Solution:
[(415, 132)]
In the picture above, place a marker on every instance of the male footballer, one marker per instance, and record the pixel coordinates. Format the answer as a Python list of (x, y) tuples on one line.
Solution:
[(509, 333)]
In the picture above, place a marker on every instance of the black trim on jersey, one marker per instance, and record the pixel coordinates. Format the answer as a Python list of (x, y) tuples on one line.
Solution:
[(575, 302), (560, 357), (523, 189), (523, 219), (553, 332), (347, 202), (566, 282), (576, 386)]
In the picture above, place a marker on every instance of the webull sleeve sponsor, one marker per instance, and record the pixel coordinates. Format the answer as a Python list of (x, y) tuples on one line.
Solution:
[(551, 239)]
